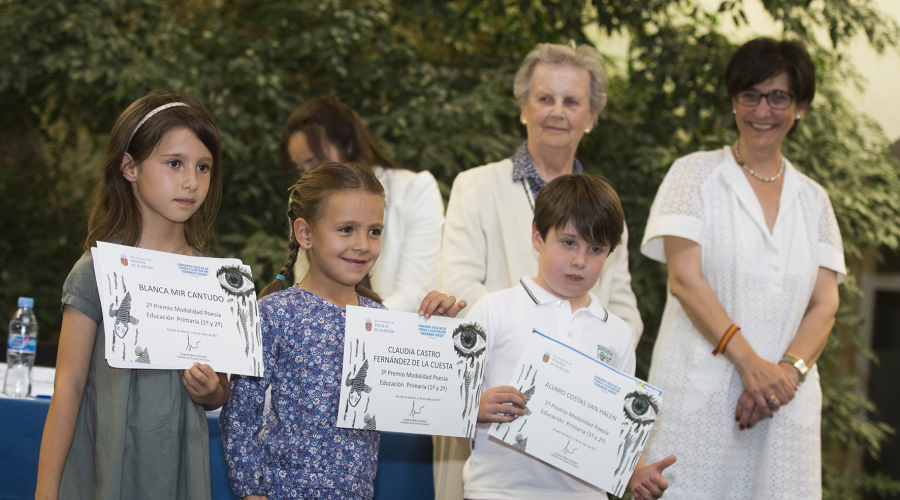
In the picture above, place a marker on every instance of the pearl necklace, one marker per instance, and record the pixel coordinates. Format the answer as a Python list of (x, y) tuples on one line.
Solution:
[(737, 158)]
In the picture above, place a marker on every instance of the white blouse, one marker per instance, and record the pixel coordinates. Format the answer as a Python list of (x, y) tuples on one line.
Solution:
[(764, 281)]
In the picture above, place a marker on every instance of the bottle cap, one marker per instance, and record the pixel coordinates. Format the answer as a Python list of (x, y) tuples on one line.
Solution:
[(26, 303)]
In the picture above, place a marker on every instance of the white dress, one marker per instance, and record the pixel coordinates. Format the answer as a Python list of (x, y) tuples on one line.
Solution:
[(764, 281)]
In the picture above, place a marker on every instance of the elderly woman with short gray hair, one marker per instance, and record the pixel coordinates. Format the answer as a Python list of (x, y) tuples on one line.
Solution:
[(487, 233)]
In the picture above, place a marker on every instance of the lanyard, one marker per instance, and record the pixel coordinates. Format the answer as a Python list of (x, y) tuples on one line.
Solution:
[(527, 194)]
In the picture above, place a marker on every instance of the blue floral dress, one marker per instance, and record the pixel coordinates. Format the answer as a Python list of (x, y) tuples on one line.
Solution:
[(296, 451)]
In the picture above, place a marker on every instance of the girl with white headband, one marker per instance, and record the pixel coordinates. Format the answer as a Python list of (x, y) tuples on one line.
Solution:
[(122, 433)]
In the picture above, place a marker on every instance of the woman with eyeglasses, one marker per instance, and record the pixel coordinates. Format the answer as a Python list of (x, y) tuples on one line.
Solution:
[(754, 260)]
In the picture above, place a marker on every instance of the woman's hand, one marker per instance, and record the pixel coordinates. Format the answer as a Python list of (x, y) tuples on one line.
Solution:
[(748, 413), (762, 380), (493, 408), (440, 304), (792, 373), (647, 482)]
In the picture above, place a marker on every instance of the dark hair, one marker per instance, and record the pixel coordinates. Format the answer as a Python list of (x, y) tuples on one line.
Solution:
[(329, 119), (587, 201), (115, 210), (308, 198), (762, 58)]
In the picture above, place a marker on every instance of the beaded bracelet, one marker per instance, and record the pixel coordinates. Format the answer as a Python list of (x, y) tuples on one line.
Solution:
[(726, 338)]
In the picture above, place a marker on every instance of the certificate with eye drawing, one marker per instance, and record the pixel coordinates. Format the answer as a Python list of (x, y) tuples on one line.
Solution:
[(582, 416), (403, 373), (165, 311)]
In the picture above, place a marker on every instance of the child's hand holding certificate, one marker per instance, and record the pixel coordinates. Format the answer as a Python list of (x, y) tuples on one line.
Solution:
[(581, 416)]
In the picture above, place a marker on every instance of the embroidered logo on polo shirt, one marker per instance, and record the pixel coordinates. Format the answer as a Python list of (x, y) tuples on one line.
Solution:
[(604, 354)]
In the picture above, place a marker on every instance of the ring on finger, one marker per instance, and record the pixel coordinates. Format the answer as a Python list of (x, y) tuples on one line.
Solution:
[(773, 400)]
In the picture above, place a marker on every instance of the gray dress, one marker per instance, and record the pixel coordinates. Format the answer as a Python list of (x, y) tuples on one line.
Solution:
[(138, 434)]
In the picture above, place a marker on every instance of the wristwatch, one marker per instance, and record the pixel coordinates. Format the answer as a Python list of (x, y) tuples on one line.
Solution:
[(798, 363)]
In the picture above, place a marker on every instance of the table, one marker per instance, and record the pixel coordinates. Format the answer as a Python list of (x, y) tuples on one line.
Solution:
[(404, 468)]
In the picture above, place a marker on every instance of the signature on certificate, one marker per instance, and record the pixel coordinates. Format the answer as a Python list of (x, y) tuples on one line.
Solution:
[(566, 450), (415, 412), (192, 346)]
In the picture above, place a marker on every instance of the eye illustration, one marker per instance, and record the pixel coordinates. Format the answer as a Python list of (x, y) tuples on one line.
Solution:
[(641, 408), (469, 339), (640, 413), (235, 280)]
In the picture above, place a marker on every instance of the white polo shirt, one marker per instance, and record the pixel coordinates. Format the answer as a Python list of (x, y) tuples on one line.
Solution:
[(496, 471)]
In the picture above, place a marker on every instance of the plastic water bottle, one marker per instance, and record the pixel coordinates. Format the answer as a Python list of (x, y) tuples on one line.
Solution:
[(20, 348)]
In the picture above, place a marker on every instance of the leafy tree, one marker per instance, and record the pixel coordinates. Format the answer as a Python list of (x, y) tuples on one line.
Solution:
[(433, 80)]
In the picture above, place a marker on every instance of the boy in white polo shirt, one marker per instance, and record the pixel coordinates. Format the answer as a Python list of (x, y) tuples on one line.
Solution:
[(578, 220)]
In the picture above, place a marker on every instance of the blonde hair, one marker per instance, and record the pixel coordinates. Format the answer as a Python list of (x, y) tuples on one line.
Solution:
[(583, 56), (308, 199)]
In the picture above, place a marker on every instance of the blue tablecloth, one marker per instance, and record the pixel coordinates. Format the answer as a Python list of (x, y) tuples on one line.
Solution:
[(404, 465)]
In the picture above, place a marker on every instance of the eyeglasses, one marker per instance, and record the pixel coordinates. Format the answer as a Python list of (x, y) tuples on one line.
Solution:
[(776, 99)]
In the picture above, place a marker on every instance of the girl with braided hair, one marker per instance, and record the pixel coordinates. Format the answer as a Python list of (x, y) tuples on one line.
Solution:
[(124, 433), (294, 450)]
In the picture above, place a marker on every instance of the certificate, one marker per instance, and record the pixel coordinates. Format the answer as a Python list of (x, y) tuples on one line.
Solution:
[(582, 416), (166, 311), (403, 373)]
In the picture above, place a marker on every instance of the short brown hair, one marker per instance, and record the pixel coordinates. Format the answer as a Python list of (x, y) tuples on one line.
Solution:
[(587, 201), (762, 58)]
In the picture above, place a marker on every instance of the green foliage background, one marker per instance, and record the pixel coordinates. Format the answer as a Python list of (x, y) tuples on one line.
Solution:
[(433, 80)]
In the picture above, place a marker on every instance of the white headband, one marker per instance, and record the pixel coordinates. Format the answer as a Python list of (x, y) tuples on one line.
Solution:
[(150, 115)]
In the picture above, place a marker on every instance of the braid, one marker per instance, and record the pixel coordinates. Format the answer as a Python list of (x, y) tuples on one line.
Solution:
[(286, 271), (293, 214), (294, 247)]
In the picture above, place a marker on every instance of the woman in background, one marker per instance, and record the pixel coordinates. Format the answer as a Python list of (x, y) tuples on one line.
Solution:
[(325, 129)]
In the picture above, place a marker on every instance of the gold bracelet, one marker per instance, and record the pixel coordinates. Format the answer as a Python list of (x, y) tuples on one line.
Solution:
[(798, 363)]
